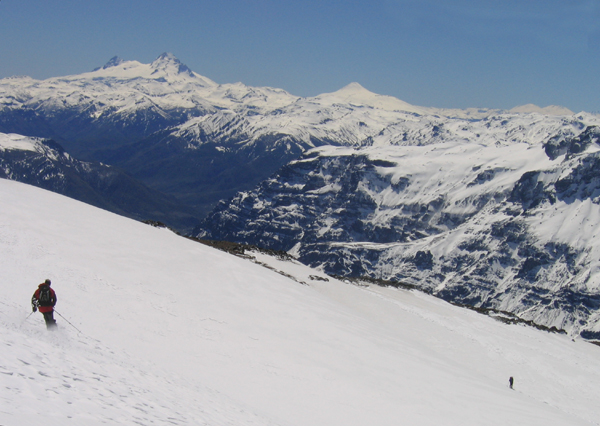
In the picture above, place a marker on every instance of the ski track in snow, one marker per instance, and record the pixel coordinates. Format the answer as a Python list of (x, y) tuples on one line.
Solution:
[(65, 377), (176, 333)]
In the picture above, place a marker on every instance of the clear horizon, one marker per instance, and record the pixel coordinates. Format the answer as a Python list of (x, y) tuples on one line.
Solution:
[(487, 54)]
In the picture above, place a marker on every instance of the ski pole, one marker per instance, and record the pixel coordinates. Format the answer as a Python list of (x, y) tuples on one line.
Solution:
[(30, 313), (69, 322)]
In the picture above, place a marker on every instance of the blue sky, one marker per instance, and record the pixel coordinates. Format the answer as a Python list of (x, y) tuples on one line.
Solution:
[(454, 53)]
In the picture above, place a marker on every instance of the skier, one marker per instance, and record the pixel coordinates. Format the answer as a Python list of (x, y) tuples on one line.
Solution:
[(44, 298), (510, 382)]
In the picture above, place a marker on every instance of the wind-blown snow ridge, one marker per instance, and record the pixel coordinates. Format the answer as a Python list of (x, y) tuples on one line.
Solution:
[(173, 332)]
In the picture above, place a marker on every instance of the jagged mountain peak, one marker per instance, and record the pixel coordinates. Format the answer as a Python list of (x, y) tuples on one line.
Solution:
[(165, 68), (166, 58), (167, 62), (113, 62)]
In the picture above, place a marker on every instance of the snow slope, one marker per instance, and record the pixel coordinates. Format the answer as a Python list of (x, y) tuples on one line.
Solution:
[(167, 331)]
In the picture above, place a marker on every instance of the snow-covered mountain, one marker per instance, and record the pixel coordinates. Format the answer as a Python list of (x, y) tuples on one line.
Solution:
[(183, 134), (44, 163), (549, 110), (157, 329), (444, 199), (119, 113), (508, 221), (119, 103)]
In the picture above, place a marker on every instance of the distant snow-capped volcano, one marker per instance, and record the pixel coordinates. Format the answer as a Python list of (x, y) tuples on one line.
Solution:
[(549, 110)]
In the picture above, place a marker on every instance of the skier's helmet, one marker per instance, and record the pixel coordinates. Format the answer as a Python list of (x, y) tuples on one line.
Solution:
[(47, 282)]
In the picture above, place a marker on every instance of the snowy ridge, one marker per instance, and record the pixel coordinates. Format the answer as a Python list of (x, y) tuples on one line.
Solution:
[(168, 83), (549, 110), (13, 142), (174, 332), (325, 119), (19, 142), (355, 94)]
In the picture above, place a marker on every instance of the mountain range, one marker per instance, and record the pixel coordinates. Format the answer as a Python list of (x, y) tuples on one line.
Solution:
[(183, 134), (488, 208), (126, 114)]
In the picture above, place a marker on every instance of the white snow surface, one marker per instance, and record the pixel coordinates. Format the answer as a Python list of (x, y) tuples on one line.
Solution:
[(12, 141), (166, 331)]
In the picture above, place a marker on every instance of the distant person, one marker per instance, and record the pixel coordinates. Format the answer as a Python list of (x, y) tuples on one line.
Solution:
[(44, 299), (510, 382)]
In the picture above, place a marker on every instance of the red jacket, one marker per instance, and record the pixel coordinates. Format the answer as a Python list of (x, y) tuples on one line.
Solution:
[(36, 296)]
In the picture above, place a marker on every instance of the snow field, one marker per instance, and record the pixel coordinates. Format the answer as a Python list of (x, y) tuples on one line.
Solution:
[(174, 332)]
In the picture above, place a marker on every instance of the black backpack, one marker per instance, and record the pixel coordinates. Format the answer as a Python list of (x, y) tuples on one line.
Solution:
[(45, 297)]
